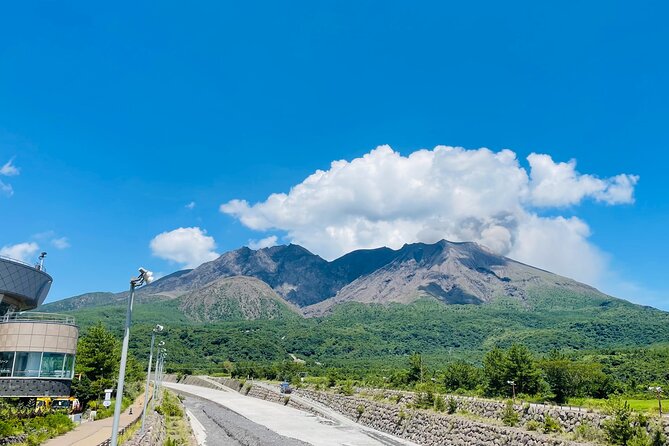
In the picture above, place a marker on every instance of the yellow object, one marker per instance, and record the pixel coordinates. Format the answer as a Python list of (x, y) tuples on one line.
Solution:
[(67, 404)]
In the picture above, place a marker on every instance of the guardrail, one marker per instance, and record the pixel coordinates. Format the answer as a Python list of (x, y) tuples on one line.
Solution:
[(21, 262), (24, 316)]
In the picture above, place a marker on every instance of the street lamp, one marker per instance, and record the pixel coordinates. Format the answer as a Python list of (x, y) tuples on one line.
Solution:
[(658, 393), (513, 389), (158, 381), (157, 329), (145, 277)]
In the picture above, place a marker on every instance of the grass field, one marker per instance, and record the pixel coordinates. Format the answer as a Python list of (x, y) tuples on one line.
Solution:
[(647, 406)]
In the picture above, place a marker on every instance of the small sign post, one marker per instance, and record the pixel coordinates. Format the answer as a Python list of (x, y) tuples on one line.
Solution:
[(107, 401)]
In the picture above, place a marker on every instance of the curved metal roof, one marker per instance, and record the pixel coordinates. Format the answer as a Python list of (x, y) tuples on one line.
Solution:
[(24, 287)]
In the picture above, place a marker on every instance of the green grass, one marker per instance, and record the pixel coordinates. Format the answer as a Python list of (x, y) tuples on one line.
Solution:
[(648, 406)]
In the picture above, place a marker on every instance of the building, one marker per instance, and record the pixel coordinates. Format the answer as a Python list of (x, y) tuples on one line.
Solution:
[(37, 350)]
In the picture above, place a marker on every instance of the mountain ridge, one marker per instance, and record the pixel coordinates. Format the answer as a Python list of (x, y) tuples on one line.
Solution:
[(453, 273)]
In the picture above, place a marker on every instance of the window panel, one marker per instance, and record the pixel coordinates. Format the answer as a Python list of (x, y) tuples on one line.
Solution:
[(26, 364), (69, 367), (52, 365), (6, 362)]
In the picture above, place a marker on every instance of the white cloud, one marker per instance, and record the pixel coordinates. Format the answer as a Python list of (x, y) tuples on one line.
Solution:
[(190, 205), (559, 184), (9, 169), (60, 243), (188, 246), (384, 198), (21, 251), (266, 242)]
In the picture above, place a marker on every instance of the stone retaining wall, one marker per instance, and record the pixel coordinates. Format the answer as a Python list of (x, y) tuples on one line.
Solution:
[(262, 393), (154, 435), (430, 429), (568, 418)]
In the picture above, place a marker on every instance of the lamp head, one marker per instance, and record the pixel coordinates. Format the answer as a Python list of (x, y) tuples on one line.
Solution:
[(146, 275), (158, 328)]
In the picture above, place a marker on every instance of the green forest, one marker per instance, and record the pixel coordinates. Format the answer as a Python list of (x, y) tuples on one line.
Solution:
[(606, 346)]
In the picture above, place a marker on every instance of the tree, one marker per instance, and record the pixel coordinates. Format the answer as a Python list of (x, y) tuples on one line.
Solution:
[(97, 364), (522, 370), (495, 370), (461, 375), (560, 375), (98, 357), (416, 369)]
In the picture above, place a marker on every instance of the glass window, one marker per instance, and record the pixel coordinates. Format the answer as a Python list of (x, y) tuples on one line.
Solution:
[(69, 367), (26, 364), (6, 362), (52, 365)]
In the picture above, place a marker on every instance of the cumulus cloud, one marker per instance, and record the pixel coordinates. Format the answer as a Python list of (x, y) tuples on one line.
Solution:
[(384, 198), (190, 205), (266, 242), (187, 246), (559, 184), (21, 251)]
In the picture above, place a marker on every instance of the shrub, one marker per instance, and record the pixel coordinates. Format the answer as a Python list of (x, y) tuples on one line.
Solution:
[(347, 388), (639, 438), (452, 405), (360, 410), (623, 425), (587, 432), (439, 404), (532, 425), (657, 437), (551, 425), (509, 415)]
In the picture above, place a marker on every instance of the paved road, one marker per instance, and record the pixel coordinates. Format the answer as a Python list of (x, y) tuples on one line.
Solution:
[(254, 418), (215, 425)]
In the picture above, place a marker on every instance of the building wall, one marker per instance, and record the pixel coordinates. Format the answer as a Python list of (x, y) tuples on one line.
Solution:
[(37, 357), (27, 336)]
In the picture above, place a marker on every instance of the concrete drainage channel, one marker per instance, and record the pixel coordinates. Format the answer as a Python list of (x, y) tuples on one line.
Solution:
[(376, 419)]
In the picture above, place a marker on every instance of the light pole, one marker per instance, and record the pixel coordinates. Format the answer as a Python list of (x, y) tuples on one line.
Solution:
[(145, 277), (157, 370), (513, 389), (658, 393), (159, 373), (157, 329), (162, 371)]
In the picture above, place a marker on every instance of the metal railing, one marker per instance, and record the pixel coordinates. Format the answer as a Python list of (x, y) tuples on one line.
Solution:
[(25, 316), (35, 266)]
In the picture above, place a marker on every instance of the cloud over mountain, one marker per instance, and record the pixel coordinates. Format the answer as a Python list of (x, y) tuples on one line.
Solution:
[(189, 247), (384, 198)]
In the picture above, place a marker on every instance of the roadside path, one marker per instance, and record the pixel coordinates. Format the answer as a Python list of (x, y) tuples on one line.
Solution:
[(92, 433)]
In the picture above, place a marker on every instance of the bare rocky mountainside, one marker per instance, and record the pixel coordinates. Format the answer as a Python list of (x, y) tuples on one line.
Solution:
[(273, 282)]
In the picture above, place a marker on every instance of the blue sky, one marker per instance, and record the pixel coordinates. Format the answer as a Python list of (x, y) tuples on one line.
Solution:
[(118, 116)]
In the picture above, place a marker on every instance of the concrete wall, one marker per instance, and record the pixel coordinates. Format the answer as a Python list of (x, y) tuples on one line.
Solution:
[(28, 336)]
